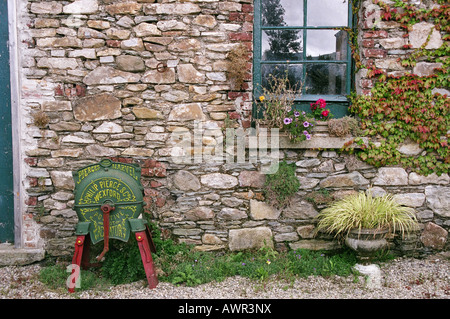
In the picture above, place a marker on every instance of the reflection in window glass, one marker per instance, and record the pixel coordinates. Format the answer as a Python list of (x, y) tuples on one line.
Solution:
[(326, 45), (282, 12), (294, 71), (325, 78), (301, 39), (327, 13), (282, 45)]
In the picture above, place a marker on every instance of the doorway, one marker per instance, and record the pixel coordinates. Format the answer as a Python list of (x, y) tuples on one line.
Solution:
[(6, 151)]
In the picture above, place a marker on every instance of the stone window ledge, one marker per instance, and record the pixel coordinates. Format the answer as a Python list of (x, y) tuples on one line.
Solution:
[(320, 139)]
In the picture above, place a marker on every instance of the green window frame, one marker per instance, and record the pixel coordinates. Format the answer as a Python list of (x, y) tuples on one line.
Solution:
[(302, 61)]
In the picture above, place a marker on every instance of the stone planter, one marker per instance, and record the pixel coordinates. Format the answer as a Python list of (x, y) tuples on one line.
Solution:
[(366, 242)]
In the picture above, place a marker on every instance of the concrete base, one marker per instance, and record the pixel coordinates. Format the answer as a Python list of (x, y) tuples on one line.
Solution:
[(373, 273), (10, 256)]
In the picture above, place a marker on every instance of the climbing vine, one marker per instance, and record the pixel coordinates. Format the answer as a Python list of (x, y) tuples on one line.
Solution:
[(409, 107), (407, 14)]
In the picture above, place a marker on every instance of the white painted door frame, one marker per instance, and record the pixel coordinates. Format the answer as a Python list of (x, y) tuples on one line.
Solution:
[(15, 119)]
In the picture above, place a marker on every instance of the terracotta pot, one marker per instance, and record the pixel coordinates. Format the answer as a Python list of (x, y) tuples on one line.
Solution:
[(366, 242)]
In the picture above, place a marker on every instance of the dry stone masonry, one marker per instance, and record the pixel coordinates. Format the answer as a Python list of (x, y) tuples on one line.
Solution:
[(116, 79)]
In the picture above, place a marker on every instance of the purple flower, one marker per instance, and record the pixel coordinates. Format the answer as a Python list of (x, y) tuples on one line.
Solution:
[(306, 124), (287, 121), (306, 133), (296, 114)]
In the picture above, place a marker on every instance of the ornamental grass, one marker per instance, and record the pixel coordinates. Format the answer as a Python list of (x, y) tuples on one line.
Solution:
[(365, 211)]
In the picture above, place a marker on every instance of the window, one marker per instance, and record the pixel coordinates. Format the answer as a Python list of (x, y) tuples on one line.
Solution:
[(306, 39)]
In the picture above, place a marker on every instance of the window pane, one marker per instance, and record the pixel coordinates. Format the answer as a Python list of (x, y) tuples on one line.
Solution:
[(282, 12), (294, 74), (326, 45), (338, 109), (327, 13), (279, 45), (325, 78)]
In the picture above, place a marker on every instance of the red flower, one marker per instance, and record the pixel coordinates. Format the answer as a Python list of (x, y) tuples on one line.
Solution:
[(322, 103), (325, 113)]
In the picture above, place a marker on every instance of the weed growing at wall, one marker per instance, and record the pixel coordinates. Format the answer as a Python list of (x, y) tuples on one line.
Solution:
[(181, 264), (281, 186), (123, 262), (237, 65), (260, 265), (55, 277)]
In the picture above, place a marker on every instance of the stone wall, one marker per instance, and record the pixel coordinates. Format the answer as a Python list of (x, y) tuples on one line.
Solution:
[(383, 43), (215, 204), (116, 79)]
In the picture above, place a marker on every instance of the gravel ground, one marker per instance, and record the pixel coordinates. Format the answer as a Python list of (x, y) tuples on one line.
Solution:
[(403, 278)]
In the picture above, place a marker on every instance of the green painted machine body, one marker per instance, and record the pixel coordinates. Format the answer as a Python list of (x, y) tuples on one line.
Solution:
[(116, 186)]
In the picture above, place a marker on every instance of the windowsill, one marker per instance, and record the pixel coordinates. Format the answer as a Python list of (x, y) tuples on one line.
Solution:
[(320, 139), (307, 98), (327, 97)]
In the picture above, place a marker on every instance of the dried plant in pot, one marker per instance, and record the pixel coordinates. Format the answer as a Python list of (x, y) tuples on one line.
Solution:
[(277, 100), (345, 126), (364, 221)]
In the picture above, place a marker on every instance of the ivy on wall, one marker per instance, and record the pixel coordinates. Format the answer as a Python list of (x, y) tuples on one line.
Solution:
[(409, 108)]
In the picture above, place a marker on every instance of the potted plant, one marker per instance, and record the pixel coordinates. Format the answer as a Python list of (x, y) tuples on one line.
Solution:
[(276, 102), (319, 110), (364, 221)]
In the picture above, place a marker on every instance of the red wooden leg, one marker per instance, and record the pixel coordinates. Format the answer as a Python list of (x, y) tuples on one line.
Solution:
[(150, 240), (147, 259), (76, 260), (85, 264)]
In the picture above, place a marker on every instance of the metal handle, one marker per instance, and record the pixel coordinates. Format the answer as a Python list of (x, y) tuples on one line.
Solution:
[(115, 204), (106, 209)]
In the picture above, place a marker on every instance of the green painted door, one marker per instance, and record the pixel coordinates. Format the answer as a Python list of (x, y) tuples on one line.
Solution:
[(6, 159)]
